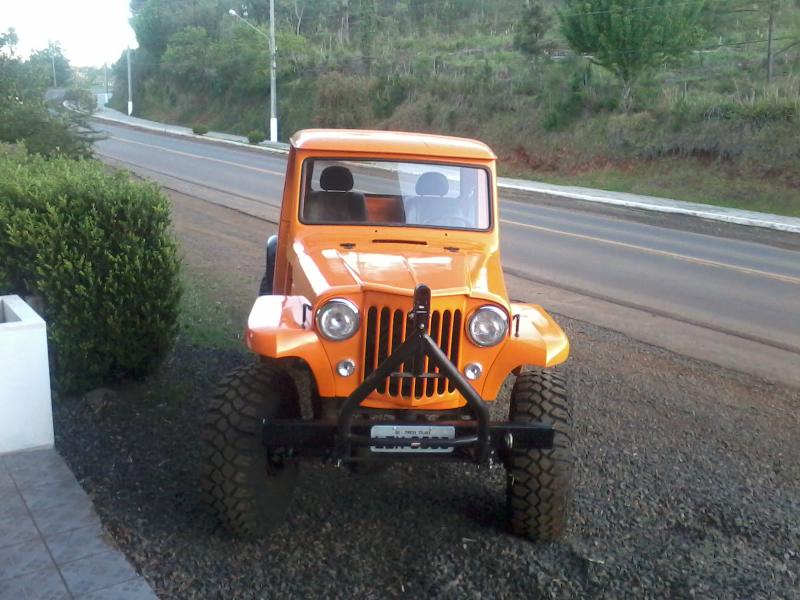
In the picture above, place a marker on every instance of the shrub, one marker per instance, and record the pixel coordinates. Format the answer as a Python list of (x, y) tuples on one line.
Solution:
[(82, 99), (566, 97), (43, 131), (340, 101), (98, 248), (199, 129), (256, 136), (388, 92)]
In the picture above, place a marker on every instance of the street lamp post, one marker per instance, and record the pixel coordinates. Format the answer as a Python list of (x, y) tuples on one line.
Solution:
[(272, 124), (130, 87)]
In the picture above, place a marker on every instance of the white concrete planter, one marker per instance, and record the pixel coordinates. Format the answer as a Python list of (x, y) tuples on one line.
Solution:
[(26, 414)]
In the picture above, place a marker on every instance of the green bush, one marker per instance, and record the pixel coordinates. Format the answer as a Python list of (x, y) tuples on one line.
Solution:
[(82, 99), (388, 92), (199, 129), (565, 97), (256, 136), (340, 101), (44, 131), (98, 248)]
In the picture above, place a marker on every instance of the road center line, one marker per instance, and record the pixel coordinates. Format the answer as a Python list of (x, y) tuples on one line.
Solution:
[(189, 154), (674, 255), (683, 257)]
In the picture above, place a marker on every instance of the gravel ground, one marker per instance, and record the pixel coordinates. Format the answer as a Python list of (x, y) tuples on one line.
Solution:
[(687, 480), (687, 486)]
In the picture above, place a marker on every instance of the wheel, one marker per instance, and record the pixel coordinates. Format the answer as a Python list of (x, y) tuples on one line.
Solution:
[(247, 490), (368, 468), (538, 481), (265, 289)]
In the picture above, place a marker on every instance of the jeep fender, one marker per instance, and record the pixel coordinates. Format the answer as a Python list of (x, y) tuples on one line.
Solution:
[(276, 328), (541, 343)]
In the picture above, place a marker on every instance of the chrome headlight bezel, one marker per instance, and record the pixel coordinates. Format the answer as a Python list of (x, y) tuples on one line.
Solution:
[(337, 303), (494, 313)]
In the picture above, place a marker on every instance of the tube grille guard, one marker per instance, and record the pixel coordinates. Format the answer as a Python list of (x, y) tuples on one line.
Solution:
[(423, 360), (417, 346)]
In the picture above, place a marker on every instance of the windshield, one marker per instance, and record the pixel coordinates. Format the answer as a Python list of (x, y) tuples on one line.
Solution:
[(357, 192)]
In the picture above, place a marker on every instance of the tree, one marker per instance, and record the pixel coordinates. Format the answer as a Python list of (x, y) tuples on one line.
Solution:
[(534, 24), (779, 19), (50, 60), (18, 81), (186, 57), (155, 21), (24, 116), (367, 25), (299, 9), (774, 11), (630, 38)]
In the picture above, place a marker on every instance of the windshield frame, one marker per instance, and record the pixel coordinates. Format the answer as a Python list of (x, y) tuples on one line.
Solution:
[(305, 179)]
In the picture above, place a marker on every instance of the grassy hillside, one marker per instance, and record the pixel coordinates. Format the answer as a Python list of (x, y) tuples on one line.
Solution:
[(705, 127)]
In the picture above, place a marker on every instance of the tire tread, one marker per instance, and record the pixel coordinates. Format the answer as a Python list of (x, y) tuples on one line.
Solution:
[(231, 449), (539, 481)]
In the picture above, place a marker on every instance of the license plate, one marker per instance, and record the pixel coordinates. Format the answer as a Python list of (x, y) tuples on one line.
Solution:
[(420, 432)]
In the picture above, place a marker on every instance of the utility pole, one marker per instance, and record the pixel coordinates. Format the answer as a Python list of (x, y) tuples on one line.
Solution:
[(105, 67), (273, 94), (130, 93), (272, 122)]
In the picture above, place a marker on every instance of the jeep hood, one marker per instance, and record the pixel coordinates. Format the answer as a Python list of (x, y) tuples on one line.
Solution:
[(397, 268)]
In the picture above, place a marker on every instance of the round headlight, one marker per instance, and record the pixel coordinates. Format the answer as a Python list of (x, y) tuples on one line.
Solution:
[(487, 326), (338, 319)]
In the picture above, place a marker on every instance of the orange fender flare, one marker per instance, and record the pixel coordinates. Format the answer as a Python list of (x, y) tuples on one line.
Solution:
[(275, 329), (541, 343)]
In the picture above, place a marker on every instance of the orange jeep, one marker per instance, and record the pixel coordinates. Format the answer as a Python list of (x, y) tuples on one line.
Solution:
[(384, 332)]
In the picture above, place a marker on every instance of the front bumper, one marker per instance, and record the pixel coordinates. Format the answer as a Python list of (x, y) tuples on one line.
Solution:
[(348, 438)]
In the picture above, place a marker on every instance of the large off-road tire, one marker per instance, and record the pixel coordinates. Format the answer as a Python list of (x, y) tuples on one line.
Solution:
[(539, 481), (247, 490), (265, 287)]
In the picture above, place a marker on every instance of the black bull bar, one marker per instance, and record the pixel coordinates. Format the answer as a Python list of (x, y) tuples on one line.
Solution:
[(477, 439)]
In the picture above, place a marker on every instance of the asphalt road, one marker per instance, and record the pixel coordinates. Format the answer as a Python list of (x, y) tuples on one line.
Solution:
[(686, 482), (744, 289)]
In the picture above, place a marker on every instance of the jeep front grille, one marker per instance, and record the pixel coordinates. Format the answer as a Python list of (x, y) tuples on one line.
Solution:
[(385, 330)]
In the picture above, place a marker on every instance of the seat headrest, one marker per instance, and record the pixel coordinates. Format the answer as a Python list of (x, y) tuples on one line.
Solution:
[(336, 179), (432, 184)]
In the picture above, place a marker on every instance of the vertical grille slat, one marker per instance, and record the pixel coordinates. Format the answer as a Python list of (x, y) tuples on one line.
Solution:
[(369, 342), (389, 337), (386, 328), (398, 333), (382, 346), (436, 324), (444, 344), (455, 344)]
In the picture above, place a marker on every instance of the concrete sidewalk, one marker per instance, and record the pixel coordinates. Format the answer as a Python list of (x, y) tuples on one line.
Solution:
[(52, 544), (637, 201)]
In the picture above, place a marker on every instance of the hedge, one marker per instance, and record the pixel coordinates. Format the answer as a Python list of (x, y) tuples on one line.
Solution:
[(256, 136), (99, 250)]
